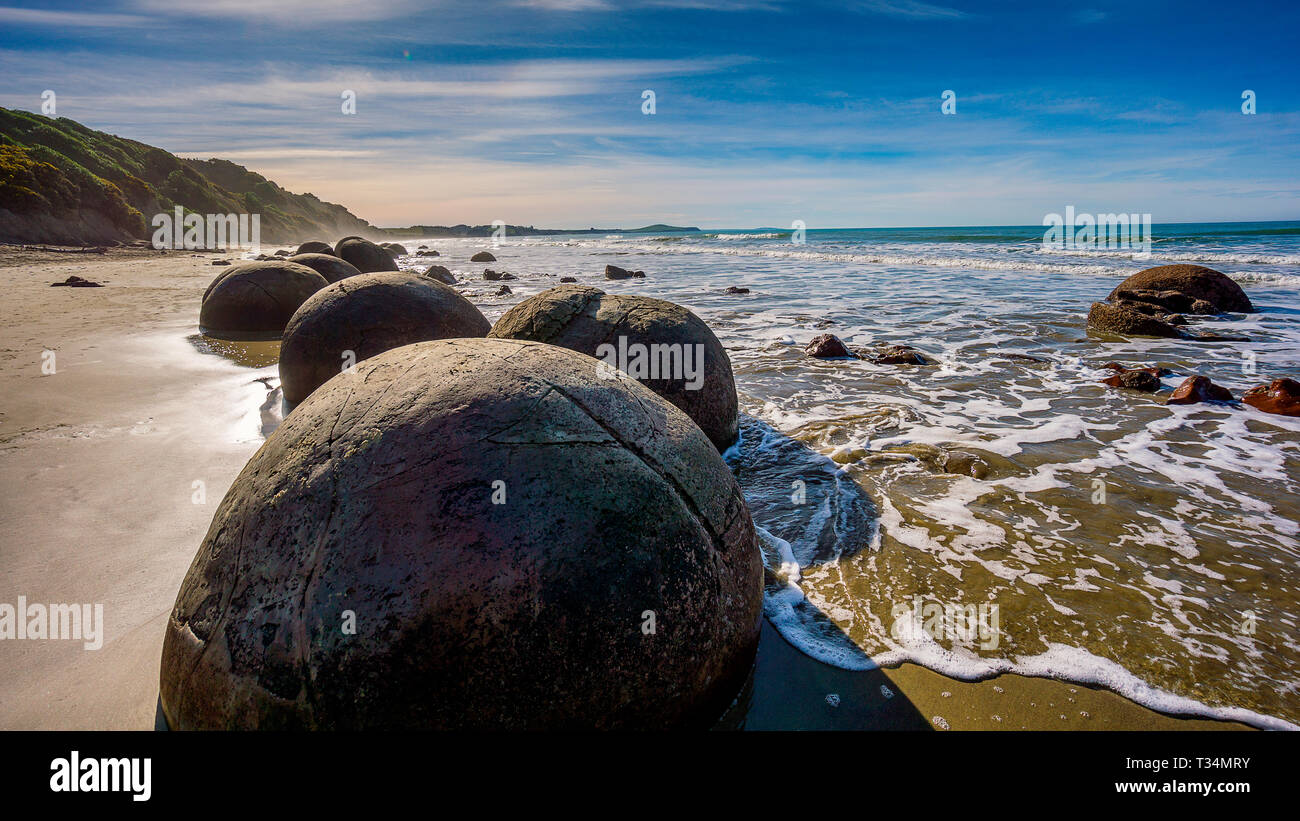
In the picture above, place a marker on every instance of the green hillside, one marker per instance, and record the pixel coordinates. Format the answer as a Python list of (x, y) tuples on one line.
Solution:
[(61, 182)]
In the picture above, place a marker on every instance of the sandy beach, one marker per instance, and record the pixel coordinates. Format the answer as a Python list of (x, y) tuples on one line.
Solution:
[(112, 465)]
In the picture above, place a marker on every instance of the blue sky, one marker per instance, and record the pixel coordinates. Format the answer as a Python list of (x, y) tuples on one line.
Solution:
[(770, 111)]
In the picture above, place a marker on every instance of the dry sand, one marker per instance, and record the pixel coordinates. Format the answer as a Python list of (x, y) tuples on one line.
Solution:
[(98, 465)]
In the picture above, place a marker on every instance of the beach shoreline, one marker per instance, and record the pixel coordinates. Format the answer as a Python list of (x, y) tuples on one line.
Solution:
[(101, 466)]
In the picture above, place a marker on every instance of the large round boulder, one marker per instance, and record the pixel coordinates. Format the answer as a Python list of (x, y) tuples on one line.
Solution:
[(662, 344), (394, 248), (360, 317), (314, 247), (483, 256), (441, 273), (365, 256), (255, 299), (1195, 282), (327, 265), (470, 534)]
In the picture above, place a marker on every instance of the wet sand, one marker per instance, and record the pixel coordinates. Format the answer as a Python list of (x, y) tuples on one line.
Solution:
[(98, 465)]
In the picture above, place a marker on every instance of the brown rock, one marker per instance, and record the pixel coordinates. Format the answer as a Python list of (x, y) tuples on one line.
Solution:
[(441, 274), (1199, 389), (365, 256), (376, 496), (482, 256), (585, 319), (1143, 379), (568, 279), (737, 290), (827, 346), (504, 290), (1281, 396), (76, 282), (327, 265), (615, 272), (897, 355), (1120, 321), (314, 247), (254, 300), (368, 314), (1195, 281)]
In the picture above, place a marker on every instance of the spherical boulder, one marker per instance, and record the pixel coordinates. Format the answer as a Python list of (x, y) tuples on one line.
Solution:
[(663, 345), (360, 317), (395, 248), (256, 299), (314, 247), (470, 534), (365, 256), (327, 265), (441, 273), (1194, 281), (483, 256)]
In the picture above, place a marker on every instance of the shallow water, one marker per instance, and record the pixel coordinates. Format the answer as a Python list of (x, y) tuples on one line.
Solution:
[(1146, 548)]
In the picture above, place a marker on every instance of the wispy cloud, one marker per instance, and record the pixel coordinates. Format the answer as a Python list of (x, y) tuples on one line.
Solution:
[(53, 18)]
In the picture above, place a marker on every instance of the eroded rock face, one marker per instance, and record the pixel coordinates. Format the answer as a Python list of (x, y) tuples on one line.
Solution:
[(1193, 282), (366, 315), (583, 319), (1124, 321), (327, 265), (314, 247), (1196, 389), (1281, 396), (256, 299), (375, 499), (827, 346), (365, 256)]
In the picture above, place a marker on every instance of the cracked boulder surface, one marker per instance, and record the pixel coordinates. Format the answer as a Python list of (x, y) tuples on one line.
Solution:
[(327, 265), (582, 319), (364, 255), (376, 496), (368, 314), (256, 299)]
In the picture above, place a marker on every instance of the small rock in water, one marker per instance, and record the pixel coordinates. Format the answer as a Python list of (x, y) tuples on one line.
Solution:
[(441, 274), (1199, 389), (615, 272), (424, 253), (220, 262), (966, 464), (482, 256), (736, 290), (76, 282), (833, 699), (504, 290), (283, 253), (1281, 396), (568, 279), (1141, 379), (827, 346), (897, 355)]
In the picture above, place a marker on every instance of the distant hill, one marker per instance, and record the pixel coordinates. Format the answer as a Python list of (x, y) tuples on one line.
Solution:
[(518, 230), (64, 183)]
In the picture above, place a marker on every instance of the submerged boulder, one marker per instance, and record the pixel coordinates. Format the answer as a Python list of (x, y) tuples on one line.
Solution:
[(470, 534), (256, 299), (1281, 396), (362, 316), (1194, 282), (1196, 389), (661, 344), (483, 256), (441, 274), (827, 346), (365, 256), (327, 265), (1122, 321), (615, 272)]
